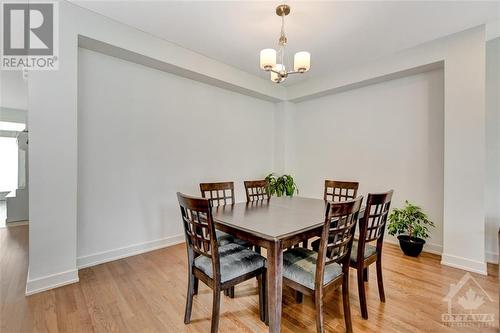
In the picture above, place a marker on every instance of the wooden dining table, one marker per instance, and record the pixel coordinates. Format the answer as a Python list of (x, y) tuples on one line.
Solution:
[(274, 224)]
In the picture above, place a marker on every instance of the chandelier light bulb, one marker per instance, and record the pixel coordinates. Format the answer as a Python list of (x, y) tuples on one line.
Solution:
[(267, 59), (278, 74), (302, 61)]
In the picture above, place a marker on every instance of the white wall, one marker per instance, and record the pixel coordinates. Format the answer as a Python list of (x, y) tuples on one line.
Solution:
[(462, 55), (387, 135), (13, 97), (492, 148), (53, 104), (143, 136), (13, 90)]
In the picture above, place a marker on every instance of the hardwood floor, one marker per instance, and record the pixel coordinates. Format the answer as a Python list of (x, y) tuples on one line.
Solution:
[(146, 293)]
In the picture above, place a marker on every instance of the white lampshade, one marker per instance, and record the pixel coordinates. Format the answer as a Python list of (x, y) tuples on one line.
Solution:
[(267, 59), (302, 61), (274, 76)]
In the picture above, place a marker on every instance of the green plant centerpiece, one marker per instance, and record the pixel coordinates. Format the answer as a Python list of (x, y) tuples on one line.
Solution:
[(411, 225), (281, 185)]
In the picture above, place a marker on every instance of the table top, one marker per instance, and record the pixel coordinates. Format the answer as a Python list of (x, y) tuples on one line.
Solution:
[(273, 219)]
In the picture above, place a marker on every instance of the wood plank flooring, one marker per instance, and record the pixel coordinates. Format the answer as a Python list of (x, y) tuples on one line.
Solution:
[(146, 293)]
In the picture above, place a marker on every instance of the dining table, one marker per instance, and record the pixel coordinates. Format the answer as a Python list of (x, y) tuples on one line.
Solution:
[(274, 224)]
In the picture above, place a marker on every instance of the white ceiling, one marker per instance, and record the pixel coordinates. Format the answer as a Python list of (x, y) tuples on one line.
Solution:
[(338, 34)]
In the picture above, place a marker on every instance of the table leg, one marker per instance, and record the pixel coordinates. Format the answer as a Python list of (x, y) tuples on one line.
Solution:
[(275, 285)]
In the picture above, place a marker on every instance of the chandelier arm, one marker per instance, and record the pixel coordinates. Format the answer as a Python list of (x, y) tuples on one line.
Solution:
[(296, 72)]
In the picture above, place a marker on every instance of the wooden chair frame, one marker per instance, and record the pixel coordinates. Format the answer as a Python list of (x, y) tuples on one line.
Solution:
[(341, 190), (335, 246), (257, 190), (371, 228), (199, 231), (218, 195)]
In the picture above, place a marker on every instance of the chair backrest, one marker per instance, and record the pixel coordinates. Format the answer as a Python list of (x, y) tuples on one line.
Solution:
[(257, 190), (199, 230), (340, 191), (220, 194), (337, 236), (372, 224)]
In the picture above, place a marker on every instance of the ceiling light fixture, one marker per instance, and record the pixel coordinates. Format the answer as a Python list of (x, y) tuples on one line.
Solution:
[(268, 57)]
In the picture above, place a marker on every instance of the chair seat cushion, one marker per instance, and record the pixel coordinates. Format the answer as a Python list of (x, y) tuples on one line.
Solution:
[(299, 265), (235, 260), (369, 251), (224, 238)]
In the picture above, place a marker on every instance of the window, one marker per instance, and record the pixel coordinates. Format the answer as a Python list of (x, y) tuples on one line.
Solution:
[(8, 164)]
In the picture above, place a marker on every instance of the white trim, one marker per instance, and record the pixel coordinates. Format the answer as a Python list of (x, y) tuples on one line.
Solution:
[(428, 247), (491, 257), (127, 251), (464, 264), (52, 281), (492, 30), (15, 223)]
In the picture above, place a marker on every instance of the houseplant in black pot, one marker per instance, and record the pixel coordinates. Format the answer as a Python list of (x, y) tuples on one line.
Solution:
[(411, 225), (281, 185)]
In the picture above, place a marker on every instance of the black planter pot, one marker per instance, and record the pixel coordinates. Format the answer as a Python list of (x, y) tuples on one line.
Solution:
[(411, 246)]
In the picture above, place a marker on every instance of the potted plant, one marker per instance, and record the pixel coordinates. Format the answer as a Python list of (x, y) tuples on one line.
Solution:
[(411, 225), (283, 185)]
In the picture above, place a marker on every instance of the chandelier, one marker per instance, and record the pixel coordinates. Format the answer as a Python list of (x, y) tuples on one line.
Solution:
[(274, 61)]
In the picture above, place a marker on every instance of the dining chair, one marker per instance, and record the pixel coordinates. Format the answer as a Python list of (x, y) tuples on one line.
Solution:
[(257, 190), (222, 194), (218, 266), (319, 273), (336, 190), (371, 229)]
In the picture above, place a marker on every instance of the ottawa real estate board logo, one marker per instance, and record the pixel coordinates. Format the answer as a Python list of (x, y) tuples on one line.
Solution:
[(467, 304), (29, 36)]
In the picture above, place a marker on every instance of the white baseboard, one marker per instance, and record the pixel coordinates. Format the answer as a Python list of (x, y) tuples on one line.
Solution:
[(44, 283), (15, 223), (454, 261), (428, 247), (127, 251), (491, 257), (464, 264)]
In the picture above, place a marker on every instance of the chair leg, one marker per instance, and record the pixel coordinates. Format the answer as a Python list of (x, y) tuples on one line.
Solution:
[(257, 249), (361, 293), (305, 243), (215, 310), (298, 297), (380, 280), (262, 296), (231, 292), (347, 306), (365, 274), (318, 300), (189, 299), (195, 286)]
